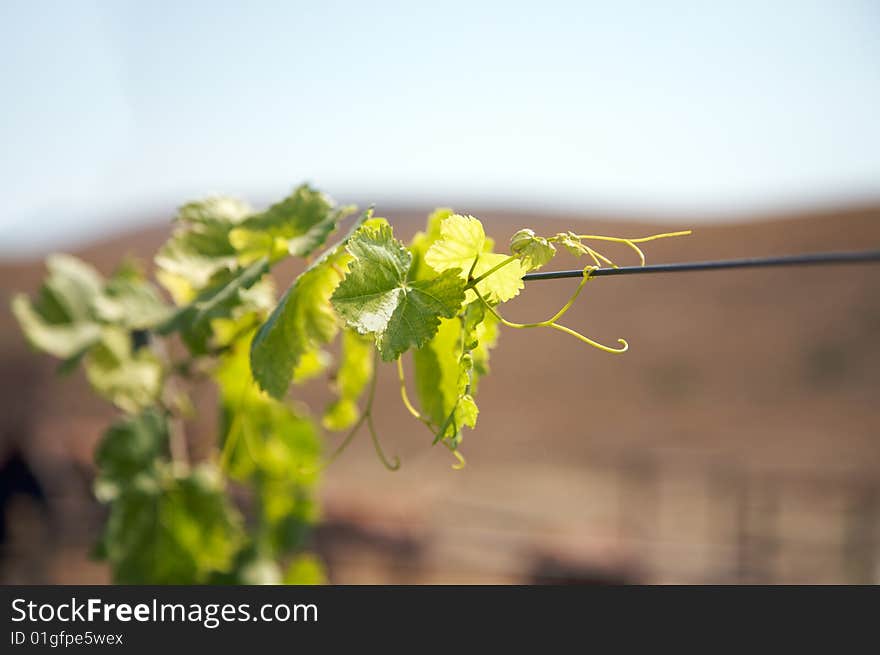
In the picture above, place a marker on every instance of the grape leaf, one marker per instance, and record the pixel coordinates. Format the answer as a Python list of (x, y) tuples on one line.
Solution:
[(355, 371), (61, 321), (481, 330), (437, 372), (130, 379), (448, 369), (180, 532), (533, 251), (572, 243), (268, 434), (311, 364), (130, 300), (74, 285), (444, 371), (199, 248), (303, 319), (266, 441), (424, 240), (298, 225), (502, 285), (219, 300), (462, 241), (63, 340), (377, 297), (130, 448)]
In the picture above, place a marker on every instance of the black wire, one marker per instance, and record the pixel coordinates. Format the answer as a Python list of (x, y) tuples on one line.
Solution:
[(753, 262)]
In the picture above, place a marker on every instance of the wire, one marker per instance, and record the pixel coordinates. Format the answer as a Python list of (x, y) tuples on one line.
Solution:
[(813, 259)]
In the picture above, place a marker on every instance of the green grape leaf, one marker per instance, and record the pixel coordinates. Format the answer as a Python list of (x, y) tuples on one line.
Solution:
[(220, 300), (199, 248), (533, 251), (377, 296), (261, 434), (303, 320), (61, 321), (289, 511), (130, 379), (422, 241), (63, 340), (129, 449), (298, 225), (437, 371), (355, 371), (311, 364), (443, 369), (481, 328), (572, 243), (462, 241), (74, 285), (130, 300), (180, 532), (502, 285), (267, 442)]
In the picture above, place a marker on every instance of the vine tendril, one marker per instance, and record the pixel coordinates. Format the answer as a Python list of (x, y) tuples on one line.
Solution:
[(365, 417), (552, 322)]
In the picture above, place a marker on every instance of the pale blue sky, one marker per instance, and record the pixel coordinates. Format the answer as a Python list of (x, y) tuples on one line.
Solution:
[(118, 111)]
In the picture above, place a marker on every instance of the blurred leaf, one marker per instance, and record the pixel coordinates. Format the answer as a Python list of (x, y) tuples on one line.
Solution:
[(298, 225), (130, 300), (131, 380), (180, 533), (220, 300), (199, 248), (261, 434), (131, 447), (312, 364), (266, 442), (61, 321)]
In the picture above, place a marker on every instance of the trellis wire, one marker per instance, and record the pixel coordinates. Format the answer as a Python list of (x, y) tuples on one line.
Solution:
[(812, 259)]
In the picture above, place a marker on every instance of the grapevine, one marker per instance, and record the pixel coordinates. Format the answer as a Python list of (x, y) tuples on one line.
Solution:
[(436, 301)]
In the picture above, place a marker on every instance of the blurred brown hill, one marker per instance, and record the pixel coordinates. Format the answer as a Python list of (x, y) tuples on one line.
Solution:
[(737, 440)]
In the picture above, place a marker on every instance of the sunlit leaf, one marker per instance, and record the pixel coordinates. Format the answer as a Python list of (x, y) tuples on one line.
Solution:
[(377, 297)]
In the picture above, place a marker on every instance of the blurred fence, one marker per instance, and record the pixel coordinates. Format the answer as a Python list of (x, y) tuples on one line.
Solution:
[(647, 517)]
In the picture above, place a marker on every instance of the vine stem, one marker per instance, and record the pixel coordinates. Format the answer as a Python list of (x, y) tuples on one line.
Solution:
[(405, 396), (476, 281), (365, 417), (177, 444)]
